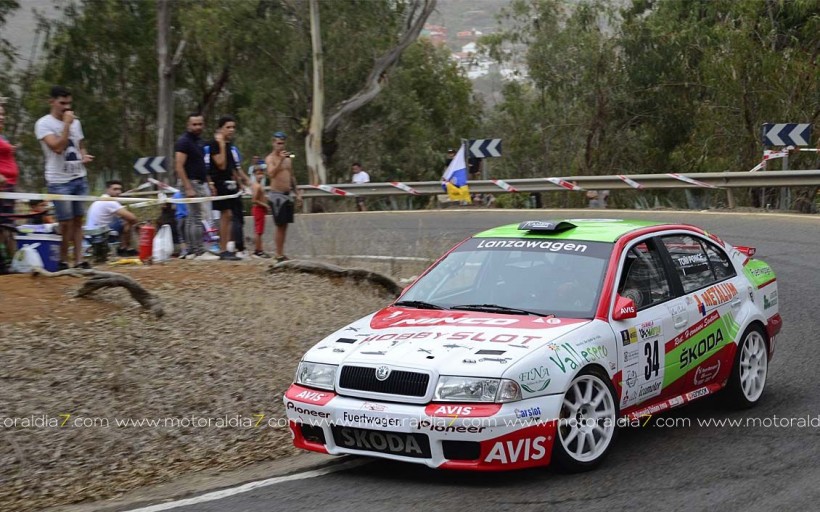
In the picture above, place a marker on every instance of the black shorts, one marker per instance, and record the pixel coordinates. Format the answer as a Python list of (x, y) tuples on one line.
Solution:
[(282, 208), (223, 190)]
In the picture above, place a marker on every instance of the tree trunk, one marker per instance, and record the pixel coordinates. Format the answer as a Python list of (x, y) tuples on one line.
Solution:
[(165, 105), (419, 11), (317, 173)]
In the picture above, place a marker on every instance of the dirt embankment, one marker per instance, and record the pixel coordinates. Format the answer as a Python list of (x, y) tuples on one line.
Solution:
[(84, 379)]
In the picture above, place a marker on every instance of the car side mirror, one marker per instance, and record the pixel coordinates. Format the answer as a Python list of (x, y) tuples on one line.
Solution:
[(624, 308)]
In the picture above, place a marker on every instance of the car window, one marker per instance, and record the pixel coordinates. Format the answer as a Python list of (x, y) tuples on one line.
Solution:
[(559, 277), (461, 276), (643, 278), (721, 265), (690, 261)]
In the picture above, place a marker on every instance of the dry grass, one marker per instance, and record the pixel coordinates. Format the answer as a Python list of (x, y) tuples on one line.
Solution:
[(227, 347)]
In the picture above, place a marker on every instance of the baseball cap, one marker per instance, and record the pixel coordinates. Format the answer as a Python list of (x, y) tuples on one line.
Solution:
[(280, 135)]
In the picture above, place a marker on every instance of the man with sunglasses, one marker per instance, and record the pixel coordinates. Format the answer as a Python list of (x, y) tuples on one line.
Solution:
[(282, 191), (63, 143)]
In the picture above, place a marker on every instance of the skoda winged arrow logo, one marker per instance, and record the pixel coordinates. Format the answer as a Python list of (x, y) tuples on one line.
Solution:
[(382, 372)]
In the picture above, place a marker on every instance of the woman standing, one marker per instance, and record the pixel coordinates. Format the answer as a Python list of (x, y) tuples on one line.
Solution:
[(8, 167)]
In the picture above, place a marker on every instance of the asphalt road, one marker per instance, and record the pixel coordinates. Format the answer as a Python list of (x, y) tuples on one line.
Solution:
[(655, 468)]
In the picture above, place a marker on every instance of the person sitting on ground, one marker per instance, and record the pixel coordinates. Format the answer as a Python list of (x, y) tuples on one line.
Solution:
[(112, 214)]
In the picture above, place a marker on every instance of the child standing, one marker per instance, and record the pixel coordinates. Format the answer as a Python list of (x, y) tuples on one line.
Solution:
[(259, 209)]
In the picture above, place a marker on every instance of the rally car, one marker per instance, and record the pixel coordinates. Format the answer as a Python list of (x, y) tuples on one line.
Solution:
[(530, 343)]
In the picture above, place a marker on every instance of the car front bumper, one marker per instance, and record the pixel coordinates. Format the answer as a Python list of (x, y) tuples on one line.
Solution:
[(441, 435)]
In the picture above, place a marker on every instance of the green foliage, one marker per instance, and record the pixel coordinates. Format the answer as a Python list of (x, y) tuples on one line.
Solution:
[(641, 87), (661, 86), (515, 200), (6, 8), (426, 107), (251, 58)]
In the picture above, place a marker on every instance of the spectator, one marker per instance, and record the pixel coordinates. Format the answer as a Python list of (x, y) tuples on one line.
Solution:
[(8, 167), (180, 214), (282, 191), (115, 216), (260, 208), (222, 183), (38, 210), (474, 168), (360, 176), (63, 143), (189, 162), (238, 219), (597, 199), (451, 153)]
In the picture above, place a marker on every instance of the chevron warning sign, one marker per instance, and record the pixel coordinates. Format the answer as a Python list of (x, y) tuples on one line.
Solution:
[(485, 148), (149, 164), (786, 134)]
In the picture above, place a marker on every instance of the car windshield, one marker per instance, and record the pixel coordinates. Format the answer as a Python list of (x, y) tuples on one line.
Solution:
[(539, 275)]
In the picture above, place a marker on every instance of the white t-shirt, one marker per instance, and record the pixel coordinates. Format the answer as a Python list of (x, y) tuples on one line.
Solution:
[(101, 213), (65, 166), (361, 177)]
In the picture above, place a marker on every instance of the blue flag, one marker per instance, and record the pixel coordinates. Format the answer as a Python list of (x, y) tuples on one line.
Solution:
[(456, 172)]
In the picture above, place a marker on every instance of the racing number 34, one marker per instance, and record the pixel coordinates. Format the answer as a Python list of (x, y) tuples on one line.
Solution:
[(650, 350)]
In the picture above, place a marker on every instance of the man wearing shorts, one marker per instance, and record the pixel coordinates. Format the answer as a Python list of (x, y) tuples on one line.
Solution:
[(61, 137), (282, 191), (223, 181), (260, 208)]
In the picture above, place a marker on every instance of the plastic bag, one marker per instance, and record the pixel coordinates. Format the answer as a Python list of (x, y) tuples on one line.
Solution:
[(163, 244), (26, 259)]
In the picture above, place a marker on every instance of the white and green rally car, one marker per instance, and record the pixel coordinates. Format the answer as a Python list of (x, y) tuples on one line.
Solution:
[(529, 343)]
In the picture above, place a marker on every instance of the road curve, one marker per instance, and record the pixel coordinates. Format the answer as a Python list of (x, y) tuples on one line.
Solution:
[(656, 468)]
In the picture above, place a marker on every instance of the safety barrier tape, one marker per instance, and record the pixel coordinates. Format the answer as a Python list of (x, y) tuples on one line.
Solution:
[(334, 190), (25, 196), (406, 188), (687, 179), (565, 184), (505, 186), (163, 186), (632, 183), (770, 154)]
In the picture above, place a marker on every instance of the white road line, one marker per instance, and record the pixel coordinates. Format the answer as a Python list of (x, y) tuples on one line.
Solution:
[(225, 493)]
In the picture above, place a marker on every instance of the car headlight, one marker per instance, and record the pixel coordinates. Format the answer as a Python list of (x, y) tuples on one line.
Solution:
[(316, 375), (476, 389)]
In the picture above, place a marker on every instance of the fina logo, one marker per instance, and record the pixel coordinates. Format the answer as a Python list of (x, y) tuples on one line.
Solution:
[(382, 372)]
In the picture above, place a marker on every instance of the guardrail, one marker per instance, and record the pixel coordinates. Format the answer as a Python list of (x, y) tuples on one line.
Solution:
[(798, 178)]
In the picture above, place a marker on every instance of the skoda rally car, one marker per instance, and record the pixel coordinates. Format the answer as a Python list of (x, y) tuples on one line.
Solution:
[(530, 343)]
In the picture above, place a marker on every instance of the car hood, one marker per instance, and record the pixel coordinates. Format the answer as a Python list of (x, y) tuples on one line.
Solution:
[(444, 342)]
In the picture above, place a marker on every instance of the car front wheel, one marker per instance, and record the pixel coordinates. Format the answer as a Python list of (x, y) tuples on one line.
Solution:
[(751, 367), (587, 423)]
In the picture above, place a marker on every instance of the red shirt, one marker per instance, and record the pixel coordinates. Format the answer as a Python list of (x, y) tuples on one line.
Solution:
[(8, 165)]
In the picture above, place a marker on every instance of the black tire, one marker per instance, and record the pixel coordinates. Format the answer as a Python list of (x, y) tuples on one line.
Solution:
[(567, 446), (747, 381)]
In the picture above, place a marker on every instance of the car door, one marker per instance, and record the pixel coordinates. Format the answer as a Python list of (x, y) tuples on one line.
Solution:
[(661, 314), (702, 355)]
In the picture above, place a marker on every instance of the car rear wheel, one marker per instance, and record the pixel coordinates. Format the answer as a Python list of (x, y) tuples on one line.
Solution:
[(586, 426), (748, 379)]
